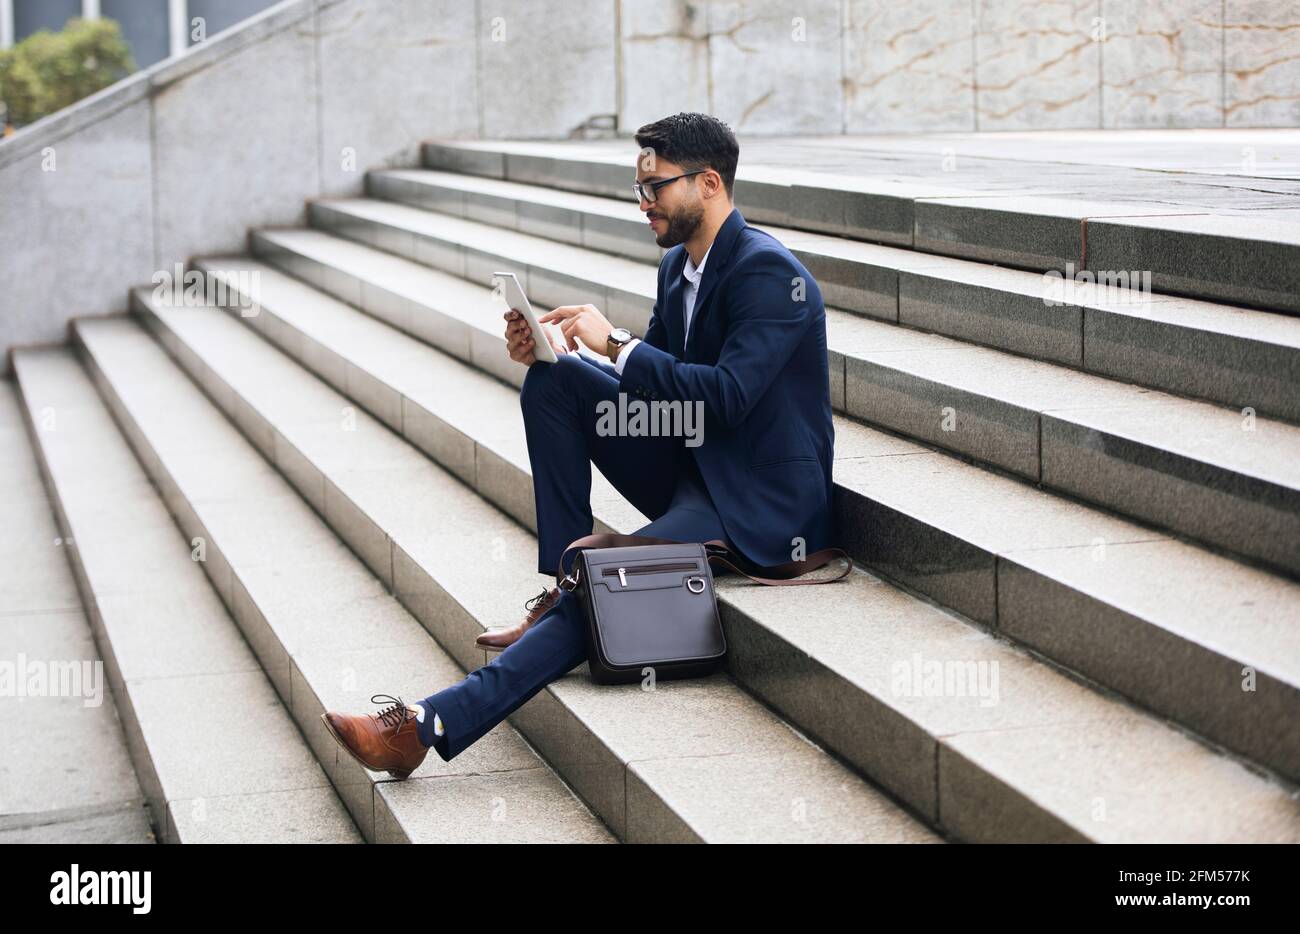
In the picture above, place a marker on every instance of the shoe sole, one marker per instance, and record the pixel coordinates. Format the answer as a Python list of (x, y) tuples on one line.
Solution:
[(494, 648), (396, 773), (502, 648)]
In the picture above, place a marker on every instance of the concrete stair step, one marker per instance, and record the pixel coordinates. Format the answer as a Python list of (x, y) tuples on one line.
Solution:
[(324, 633), (1246, 260), (844, 643), (692, 760), (1235, 356), (607, 225), (1203, 471), (215, 751), (556, 272), (1206, 472), (53, 729)]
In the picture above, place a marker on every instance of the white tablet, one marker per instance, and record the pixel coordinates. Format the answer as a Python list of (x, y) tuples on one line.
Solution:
[(515, 298)]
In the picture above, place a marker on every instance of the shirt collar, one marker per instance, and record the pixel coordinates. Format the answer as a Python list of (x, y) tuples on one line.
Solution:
[(693, 272)]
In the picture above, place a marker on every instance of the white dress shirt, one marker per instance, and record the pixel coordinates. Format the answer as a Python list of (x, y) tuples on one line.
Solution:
[(693, 275)]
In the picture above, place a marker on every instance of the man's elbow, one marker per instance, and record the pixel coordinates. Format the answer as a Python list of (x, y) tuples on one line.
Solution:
[(733, 409)]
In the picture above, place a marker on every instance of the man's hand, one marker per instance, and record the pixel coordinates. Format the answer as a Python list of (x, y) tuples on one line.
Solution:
[(519, 340), (584, 322)]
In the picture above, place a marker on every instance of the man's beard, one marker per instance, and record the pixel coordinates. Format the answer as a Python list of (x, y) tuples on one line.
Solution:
[(682, 225)]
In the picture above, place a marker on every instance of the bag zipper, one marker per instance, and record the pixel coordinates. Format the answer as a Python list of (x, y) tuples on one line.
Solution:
[(649, 569)]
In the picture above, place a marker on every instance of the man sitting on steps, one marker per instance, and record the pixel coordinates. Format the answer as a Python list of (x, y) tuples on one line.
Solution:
[(739, 330)]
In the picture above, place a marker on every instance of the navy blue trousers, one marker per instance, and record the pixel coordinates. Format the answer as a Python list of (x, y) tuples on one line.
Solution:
[(657, 474)]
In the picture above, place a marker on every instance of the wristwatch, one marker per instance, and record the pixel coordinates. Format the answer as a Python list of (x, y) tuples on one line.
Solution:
[(617, 338)]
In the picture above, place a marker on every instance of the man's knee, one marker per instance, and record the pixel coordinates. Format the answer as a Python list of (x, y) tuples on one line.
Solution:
[(534, 379), (541, 375)]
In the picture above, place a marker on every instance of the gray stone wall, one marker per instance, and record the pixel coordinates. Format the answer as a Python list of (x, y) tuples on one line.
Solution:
[(298, 101), (182, 158), (884, 66)]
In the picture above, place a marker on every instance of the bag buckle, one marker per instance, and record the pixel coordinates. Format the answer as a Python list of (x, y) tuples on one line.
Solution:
[(692, 580), (569, 582)]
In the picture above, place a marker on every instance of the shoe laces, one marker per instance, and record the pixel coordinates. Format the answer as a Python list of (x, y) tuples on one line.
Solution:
[(533, 602), (394, 715)]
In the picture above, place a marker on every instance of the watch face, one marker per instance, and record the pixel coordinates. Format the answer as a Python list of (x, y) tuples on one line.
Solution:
[(620, 335)]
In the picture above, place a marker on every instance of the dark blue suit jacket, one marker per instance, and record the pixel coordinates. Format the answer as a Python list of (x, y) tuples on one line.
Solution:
[(756, 358)]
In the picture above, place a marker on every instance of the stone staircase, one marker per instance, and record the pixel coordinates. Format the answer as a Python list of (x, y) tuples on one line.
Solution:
[(1066, 502), (65, 768), (217, 755)]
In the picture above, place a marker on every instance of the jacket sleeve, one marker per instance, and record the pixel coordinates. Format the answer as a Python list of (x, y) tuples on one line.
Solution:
[(766, 323), (600, 364), (656, 335)]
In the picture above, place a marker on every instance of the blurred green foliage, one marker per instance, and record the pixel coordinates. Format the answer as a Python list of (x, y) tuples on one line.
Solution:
[(47, 71)]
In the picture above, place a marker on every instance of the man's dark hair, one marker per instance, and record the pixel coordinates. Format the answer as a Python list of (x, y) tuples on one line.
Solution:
[(693, 141)]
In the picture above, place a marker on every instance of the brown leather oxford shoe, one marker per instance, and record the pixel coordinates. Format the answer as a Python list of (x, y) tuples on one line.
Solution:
[(387, 741), (495, 640)]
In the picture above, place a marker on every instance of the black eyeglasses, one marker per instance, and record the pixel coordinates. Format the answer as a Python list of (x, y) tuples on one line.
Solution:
[(650, 190)]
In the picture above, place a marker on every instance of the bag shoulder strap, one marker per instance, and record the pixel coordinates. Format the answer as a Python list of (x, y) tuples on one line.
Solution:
[(716, 551)]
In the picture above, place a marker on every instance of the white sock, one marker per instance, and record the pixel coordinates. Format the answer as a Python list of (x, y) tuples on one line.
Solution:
[(437, 720)]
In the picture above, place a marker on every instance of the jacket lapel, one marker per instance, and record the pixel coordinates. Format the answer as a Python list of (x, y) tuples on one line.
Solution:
[(719, 254), (674, 315)]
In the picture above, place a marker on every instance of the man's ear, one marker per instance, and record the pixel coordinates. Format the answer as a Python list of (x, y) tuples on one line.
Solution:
[(713, 181)]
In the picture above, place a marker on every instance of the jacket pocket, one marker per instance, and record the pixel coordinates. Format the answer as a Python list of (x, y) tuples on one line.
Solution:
[(785, 460)]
